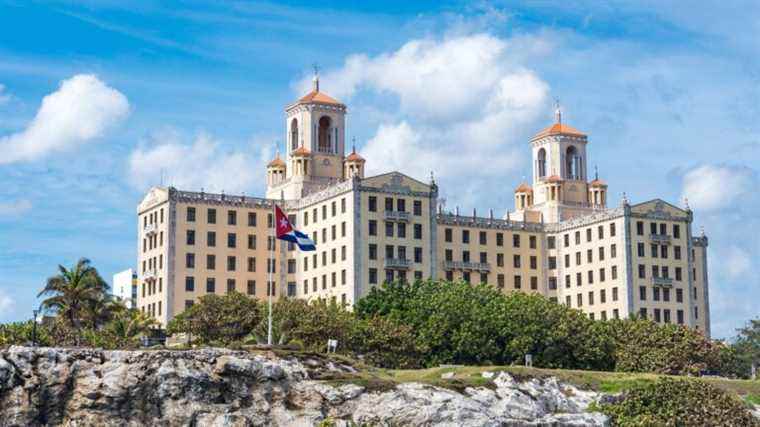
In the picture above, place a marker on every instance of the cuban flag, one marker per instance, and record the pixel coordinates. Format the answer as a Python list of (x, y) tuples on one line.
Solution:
[(285, 231)]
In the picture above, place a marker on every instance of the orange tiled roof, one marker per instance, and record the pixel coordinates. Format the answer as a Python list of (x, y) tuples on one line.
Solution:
[(523, 188), (558, 129), (277, 161), (318, 97), (598, 183), (301, 152), (554, 178), (354, 157)]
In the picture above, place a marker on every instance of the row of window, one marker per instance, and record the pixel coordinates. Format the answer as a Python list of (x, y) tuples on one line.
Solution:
[(659, 294), (658, 251), (190, 239), (516, 259), (660, 272), (395, 252), (153, 263), (153, 241), (399, 228), (231, 217), (153, 309), (602, 293), (663, 315), (231, 286), (662, 230), (599, 233), (315, 259), (500, 279), (448, 237), (590, 276), (391, 275), (333, 233), (152, 287), (154, 217), (231, 263), (589, 257), (315, 211), (333, 281), (400, 205)]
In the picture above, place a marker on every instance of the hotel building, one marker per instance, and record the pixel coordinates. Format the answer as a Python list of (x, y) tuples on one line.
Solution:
[(562, 240)]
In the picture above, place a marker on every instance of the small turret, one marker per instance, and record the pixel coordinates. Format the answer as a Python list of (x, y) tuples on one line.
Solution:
[(523, 197), (276, 170), (353, 165)]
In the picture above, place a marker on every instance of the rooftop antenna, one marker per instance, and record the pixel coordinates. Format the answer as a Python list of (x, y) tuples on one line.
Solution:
[(596, 173), (557, 111), (315, 79), (353, 144)]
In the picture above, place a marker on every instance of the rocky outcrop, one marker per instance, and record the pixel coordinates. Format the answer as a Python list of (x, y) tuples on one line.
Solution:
[(216, 387)]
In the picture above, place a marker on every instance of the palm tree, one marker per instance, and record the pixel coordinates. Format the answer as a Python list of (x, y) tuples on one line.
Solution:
[(78, 295), (128, 325)]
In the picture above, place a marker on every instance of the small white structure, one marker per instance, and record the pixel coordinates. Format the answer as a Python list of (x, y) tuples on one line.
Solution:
[(332, 345), (125, 287)]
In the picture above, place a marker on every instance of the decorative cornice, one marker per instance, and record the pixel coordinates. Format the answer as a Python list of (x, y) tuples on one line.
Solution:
[(479, 222)]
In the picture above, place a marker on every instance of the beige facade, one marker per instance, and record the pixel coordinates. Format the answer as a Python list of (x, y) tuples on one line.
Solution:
[(561, 241)]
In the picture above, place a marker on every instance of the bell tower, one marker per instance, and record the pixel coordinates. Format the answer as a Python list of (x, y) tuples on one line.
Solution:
[(317, 123)]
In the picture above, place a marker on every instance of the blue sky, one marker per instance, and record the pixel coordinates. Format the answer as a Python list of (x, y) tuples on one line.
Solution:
[(670, 99)]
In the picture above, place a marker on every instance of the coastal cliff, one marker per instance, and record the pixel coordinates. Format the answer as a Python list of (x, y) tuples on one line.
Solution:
[(218, 387)]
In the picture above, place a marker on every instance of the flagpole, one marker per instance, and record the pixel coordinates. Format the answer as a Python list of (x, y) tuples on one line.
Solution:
[(270, 265)]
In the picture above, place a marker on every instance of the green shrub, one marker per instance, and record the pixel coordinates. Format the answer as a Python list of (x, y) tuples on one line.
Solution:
[(385, 343), (477, 324), (309, 323), (644, 346), (21, 333), (678, 402), (219, 319)]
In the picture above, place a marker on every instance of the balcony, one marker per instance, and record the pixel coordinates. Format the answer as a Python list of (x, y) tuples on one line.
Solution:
[(466, 265), (662, 239), (662, 281), (397, 216), (150, 274), (150, 229), (398, 263)]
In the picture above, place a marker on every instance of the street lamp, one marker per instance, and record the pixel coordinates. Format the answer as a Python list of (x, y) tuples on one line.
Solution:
[(34, 328)]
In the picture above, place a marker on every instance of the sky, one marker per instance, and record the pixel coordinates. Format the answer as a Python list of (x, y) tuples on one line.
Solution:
[(101, 99)]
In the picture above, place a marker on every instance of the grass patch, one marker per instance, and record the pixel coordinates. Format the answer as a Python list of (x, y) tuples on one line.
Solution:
[(753, 398)]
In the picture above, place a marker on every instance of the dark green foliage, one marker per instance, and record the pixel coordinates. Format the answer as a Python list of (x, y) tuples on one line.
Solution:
[(20, 333), (678, 402), (385, 343), (462, 323), (644, 346), (222, 319), (746, 348)]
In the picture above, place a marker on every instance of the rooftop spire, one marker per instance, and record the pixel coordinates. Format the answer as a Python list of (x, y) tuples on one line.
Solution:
[(353, 144), (315, 79), (596, 173), (557, 111)]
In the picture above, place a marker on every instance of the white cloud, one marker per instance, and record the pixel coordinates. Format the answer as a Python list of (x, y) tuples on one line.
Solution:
[(4, 96), (15, 208), (712, 187), (736, 262), (192, 166), (82, 109), (6, 302), (462, 102)]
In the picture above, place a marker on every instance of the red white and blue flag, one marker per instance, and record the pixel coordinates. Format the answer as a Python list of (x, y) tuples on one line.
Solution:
[(285, 231)]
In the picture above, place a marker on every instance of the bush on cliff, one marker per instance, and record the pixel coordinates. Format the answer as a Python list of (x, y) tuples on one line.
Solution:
[(678, 402), (645, 346), (22, 333), (218, 319), (476, 324)]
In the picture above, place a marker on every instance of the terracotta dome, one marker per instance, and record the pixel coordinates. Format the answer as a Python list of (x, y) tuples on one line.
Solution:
[(354, 157), (301, 152), (558, 129), (523, 188), (276, 162), (554, 178), (598, 183)]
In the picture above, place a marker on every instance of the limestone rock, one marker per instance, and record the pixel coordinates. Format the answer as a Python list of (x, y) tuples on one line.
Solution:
[(219, 387)]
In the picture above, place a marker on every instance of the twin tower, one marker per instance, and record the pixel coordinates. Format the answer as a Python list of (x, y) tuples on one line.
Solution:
[(316, 142), (315, 160)]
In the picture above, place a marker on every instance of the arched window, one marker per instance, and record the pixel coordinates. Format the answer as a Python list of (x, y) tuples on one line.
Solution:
[(573, 163), (541, 163), (323, 142), (294, 134)]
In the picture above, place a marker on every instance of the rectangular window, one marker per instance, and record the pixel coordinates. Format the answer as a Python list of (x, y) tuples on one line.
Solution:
[(291, 266), (401, 230), (601, 253), (500, 281), (231, 263), (343, 205), (516, 261), (230, 285), (567, 240), (418, 207), (499, 239), (211, 239), (483, 238), (600, 232), (210, 285), (640, 249), (613, 250), (252, 264), (642, 293), (552, 283), (642, 271), (372, 251), (388, 204), (388, 229), (372, 227), (577, 237), (231, 240), (251, 219), (515, 240), (551, 242), (418, 231), (189, 261), (590, 277), (579, 300), (601, 275), (189, 283), (210, 262), (612, 229), (588, 234), (373, 205), (231, 217), (533, 283), (679, 317), (552, 263), (448, 233), (211, 216), (602, 296), (591, 298), (465, 236), (418, 255), (655, 294), (251, 241), (532, 242), (676, 231), (589, 256), (640, 228), (679, 295), (343, 229), (615, 295), (533, 262), (333, 208), (518, 282), (613, 272), (190, 214), (401, 204)]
